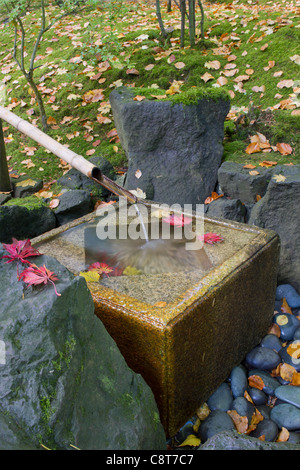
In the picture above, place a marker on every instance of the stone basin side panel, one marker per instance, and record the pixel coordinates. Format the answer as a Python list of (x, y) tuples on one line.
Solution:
[(183, 360), (215, 334), (177, 148)]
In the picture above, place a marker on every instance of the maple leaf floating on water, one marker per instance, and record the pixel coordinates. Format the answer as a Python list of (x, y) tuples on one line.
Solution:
[(211, 238), (177, 220), (19, 250), (103, 268), (33, 275)]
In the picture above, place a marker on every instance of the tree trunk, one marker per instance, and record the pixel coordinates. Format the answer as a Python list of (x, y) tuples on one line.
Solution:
[(40, 102), (192, 22), (5, 185), (183, 12), (160, 21)]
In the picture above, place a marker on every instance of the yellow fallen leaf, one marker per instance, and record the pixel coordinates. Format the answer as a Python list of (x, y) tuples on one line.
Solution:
[(24, 183), (191, 440), (279, 178), (90, 276)]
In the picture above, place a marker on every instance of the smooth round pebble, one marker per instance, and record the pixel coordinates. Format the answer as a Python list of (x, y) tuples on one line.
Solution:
[(288, 324), (216, 422), (267, 428), (270, 383), (243, 407), (238, 381), (294, 438), (286, 415), (286, 357), (263, 358), (258, 396), (297, 334), (272, 342), (289, 394), (264, 410), (289, 293), (185, 431), (221, 399)]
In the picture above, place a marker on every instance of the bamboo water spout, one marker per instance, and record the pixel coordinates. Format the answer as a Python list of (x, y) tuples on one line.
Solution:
[(75, 160)]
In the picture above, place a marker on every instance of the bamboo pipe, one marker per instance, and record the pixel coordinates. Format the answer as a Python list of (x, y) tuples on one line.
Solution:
[(75, 160)]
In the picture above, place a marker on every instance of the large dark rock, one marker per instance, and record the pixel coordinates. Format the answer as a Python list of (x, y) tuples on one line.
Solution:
[(238, 182), (177, 148), (22, 222), (279, 210), (74, 179), (73, 204), (63, 381), (225, 208)]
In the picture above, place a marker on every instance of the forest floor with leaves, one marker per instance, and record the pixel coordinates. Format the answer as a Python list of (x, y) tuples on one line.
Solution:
[(251, 50)]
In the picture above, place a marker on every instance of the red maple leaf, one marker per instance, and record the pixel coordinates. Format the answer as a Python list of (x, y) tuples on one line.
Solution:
[(33, 275), (177, 220), (211, 238), (103, 268), (19, 250)]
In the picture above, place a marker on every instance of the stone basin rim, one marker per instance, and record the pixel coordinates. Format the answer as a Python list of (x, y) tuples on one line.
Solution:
[(151, 313)]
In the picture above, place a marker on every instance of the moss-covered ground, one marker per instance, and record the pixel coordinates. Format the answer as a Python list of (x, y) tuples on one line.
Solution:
[(250, 51)]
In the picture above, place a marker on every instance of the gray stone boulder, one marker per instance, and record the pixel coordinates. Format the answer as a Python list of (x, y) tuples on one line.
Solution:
[(25, 186), (24, 222), (177, 148), (74, 179), (73, 204), (63, 381), (224, 208), (238, 183), (279, 210), (232, 440)]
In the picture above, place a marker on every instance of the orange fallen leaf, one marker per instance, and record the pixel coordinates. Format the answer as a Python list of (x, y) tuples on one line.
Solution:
[(274, 330), (258, 89), (240, 422), (247, 396), (252, 148), (283, 435), (253, 172), (285, 308), (284, 149), (264, 47), (267, 163), (206, 77), (249, 166), (139, 98), (256, 382), (285, 84), (213, 197), (213, 64), (296, 379), (132, 72)]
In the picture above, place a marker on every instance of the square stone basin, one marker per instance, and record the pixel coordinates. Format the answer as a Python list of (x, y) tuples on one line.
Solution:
[(184, 330)]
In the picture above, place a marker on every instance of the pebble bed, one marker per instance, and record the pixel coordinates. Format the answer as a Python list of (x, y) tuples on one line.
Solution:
[(261, 397)]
